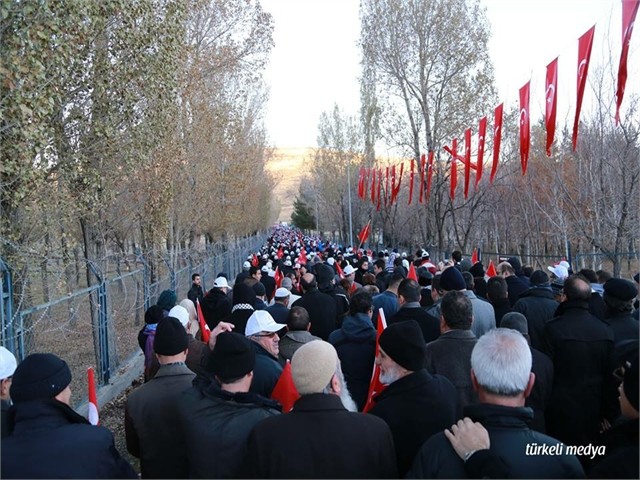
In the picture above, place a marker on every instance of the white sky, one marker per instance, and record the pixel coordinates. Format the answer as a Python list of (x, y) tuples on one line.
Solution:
[(316, 61)]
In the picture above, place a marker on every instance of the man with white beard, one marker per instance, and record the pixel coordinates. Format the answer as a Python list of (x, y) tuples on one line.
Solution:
[(415, 404), (323, 436)]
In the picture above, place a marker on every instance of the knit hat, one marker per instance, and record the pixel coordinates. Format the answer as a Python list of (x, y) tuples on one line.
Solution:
[(313, 365), (243, 293), (232, 357), (465, 265), (153, 315), (404, 343), (171, 337), (621, 289), (451, 279), (8, 363), (180, 313), (477, 270), (630, 383), (167, 300), (515, 263), (324, 274), (258, 289), (40, 376), (539, 278)]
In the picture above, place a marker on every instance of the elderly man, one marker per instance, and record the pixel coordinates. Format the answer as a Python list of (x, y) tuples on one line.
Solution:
[(280, 308), (48, 439), (618, 297), (216, 421), (501, 374), (415, 403), (8, 365), (262, 330), (321, 437), (152, 431), (298, 325), (450, 354)]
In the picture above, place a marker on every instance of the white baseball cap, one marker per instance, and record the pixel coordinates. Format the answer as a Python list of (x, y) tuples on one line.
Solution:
[(348, 270), (220, 282), (246, 265), (282, 293), (8, 363), (261, 321), (559, 271), (180, 313)]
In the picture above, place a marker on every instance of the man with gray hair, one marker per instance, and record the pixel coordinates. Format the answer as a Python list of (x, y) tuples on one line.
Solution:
[(501, 374), (323, 436)]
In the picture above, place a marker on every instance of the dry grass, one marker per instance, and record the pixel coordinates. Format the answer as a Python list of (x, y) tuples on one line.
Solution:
[(287, 166)]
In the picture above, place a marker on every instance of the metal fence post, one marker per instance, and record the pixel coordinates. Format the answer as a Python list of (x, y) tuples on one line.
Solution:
[(104, 372), (146, 291), (6, 306)]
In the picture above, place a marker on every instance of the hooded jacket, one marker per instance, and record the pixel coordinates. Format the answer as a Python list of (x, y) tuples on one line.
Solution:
[(215, 306), (539, 306), (355, 343)]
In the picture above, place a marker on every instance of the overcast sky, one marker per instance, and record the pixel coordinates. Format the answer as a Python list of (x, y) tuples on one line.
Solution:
[(316, 61)]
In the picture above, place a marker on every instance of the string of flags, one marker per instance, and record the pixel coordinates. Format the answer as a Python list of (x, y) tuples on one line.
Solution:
[(381, 185)]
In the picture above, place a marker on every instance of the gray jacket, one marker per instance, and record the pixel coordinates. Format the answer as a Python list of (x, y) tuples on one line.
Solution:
[(292, 341), (484, 316)]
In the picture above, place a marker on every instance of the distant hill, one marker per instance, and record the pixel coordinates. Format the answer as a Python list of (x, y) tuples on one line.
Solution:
[(287, 166)]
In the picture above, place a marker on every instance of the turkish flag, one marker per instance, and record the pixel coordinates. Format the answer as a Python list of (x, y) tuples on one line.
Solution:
[(396, 189), (373, 185), (584, 54), (551, 103), (525, 127), (205, 331), (423, 163), (339, 270), (411, 175), (285, 391), (474, 256), (629, 11), (491, 269), (364, 233), (280, 253), (361, 183), (278, 277), (454, 169), (467, 161), (92, 414), (497, 137), (302, 258), (376, 386), (429, 172), (482, 131), (413, 275)]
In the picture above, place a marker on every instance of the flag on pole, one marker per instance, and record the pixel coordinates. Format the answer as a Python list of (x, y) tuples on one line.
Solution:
[(92, 414), (254, 260), (364, 233), (285, 390), (278, 276), (491, 269), (551, 103), (413, 275), (280, 253), (474, 256), (525, 127), (629, 11), (205, 331), (339, 270), (584, 54), (376, 386), (302, 258)]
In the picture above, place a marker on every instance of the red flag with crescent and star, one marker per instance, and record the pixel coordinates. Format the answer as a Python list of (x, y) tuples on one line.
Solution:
[(285, 390), (205, 331), (482, 131), (376, 386), (551, 101), (584, 54), (497, 138), (629, 12), (525, 127)]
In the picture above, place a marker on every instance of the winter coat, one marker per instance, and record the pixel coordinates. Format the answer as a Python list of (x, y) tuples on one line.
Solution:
[(515, 287), (415, 407), (340, 297), (450, 356), (197, 359), (580, 347), (542, 368), (388, 302), (539, 306), (413, 311), (279, 312), (484, 316), (50, 440), (216, 425), (501, 307), (622, 455), (510, 438), (269, 285), (152, 431), (319, 438), (266, 372), (239, 318), (216, 305), (625, 336), (322, 312), (355, 343), (195, 293), (292, 341)]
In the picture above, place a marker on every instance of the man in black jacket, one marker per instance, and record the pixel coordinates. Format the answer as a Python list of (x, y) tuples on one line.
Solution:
[(47, 438), (195, 293), (321, 307), (410, 309), (216, 421), (415, 404), (216, 305), (501, 374)]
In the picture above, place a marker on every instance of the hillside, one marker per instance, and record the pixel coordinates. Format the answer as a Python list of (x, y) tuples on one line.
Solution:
[(287, 166)]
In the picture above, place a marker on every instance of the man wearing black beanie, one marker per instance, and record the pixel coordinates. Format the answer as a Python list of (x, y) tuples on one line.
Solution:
[(415, 403), (216, 421), (151, 426), (47, 438)]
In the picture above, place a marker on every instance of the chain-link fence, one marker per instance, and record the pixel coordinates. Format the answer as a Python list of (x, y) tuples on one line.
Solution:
[(98, 326)]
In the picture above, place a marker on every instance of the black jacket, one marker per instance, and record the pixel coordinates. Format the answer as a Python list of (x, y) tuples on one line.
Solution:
[(279, 312), (625, 336), (539, 306), (355, 343), (510, 437), (515, 287), (195, 293), (580, 347), (320, 439), (429, 325), (50, 440), (266, 372), (322, 312), (622, 456), (216, 425), (269, 285), (542, 368), (3, 423), (215, 307), (501, 306), (415, 407)]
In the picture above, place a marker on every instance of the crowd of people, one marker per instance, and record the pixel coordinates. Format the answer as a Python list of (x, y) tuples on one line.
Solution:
[(525, 374)]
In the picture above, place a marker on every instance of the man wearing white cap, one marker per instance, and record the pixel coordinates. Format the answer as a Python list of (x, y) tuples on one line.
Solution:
[(280, 308), (8, 365), (322, 437), (216, 304), (262, 330)]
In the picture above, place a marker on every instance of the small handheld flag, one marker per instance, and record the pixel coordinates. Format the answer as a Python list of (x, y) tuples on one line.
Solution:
[(92, 414)]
